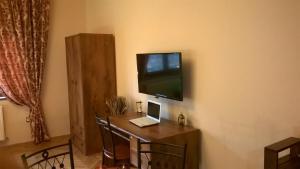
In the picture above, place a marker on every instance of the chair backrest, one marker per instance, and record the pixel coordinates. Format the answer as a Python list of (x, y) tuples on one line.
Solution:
[(161, 155), (107, 137), (49, 158)]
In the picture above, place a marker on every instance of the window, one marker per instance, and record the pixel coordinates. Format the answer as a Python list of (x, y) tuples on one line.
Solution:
[(2, 95)]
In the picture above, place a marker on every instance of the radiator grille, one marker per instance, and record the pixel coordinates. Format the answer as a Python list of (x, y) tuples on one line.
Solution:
[(2, 131)]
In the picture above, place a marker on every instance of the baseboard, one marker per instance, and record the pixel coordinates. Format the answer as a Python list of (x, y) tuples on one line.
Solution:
[(2, 143)]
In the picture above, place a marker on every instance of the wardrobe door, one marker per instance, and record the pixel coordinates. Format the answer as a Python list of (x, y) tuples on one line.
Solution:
[(99, 80), (75, 92)]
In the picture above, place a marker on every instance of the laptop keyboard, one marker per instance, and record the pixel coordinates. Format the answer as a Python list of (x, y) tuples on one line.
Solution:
[(143, 121)]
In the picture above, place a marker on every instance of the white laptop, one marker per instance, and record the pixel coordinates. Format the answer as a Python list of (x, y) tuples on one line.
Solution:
[(152, 117)]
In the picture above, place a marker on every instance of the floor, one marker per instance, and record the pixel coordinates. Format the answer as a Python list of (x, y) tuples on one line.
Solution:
[(10, 155)]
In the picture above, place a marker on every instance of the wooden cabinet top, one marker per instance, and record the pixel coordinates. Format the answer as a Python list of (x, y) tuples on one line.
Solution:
[(90, 34), (281, 145)]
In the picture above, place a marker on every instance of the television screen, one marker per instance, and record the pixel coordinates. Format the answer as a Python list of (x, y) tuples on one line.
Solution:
[(160, 74)]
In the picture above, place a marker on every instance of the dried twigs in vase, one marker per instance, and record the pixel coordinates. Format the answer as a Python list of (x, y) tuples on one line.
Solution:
[(116, 105)]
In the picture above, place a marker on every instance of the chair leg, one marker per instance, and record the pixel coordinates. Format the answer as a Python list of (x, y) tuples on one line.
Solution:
[(103, 158)]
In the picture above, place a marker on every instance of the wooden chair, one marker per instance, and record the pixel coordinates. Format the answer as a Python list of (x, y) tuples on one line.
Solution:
[(114, 150), (50, 158), (160, 155)]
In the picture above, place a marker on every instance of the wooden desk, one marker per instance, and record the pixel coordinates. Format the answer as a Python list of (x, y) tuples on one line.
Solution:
[(167, 131)]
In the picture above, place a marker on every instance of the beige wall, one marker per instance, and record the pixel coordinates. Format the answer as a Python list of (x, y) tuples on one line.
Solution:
[(241, 67), (67, 18)]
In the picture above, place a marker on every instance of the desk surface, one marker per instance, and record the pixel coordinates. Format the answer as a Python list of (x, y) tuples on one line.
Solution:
[(164, 129)]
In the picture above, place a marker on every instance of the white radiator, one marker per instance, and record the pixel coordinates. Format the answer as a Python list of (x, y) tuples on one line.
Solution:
[(2, 132)]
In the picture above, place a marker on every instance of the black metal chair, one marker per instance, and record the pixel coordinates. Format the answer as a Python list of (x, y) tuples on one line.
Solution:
[(50, 158), (116, 153), (161, 155)]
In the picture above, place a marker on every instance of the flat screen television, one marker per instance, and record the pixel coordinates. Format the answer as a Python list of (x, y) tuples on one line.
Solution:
[(160, 74)]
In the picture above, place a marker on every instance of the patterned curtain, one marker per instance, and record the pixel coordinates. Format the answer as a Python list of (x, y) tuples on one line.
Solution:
[(23, 43)]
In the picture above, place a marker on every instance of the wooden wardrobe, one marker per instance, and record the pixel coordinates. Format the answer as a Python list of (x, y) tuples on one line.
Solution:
[(91, 80)]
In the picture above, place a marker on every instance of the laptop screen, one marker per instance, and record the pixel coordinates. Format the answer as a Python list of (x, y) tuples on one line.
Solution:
[(153, 110)]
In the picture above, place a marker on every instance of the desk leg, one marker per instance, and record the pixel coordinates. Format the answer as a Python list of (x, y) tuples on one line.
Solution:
[(134, 153)]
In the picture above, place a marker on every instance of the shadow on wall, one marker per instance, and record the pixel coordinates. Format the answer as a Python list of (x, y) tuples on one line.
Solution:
[(188, 74)]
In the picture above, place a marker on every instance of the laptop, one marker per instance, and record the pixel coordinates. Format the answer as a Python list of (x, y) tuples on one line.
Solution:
[(152, 117)]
